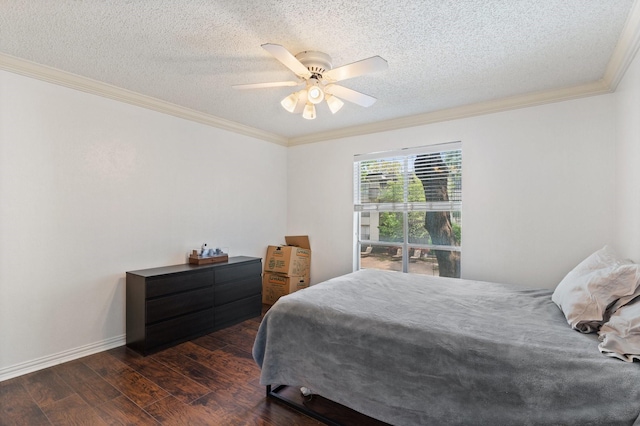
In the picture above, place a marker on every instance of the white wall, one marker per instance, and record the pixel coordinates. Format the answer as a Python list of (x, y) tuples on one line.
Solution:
[(91, 188), (628, 163), (537, 190)]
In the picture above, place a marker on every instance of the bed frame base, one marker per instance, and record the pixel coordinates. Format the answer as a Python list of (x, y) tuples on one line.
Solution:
[(275, 394)]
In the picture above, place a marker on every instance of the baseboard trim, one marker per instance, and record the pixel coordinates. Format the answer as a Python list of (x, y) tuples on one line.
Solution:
[(65, 356)]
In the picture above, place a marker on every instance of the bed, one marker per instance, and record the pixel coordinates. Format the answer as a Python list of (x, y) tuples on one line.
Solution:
[(418, 350)]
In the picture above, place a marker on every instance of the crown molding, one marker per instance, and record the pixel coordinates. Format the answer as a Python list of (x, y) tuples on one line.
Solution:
[(505, 104), (84, 84), (625, 49)]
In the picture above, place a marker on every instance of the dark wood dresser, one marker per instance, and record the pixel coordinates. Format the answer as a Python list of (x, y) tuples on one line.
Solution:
[(172, 304)]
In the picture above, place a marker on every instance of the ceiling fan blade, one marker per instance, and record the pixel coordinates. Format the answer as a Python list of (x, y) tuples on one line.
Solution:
[(375, 63), (302, 101), (287, 59), (350, 95), (266, 85)]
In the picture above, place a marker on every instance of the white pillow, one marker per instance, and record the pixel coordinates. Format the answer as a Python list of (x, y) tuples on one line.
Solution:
[(597, 282), (620, 336)]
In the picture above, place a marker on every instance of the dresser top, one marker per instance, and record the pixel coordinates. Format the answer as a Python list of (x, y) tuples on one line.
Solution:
[(187, 267)]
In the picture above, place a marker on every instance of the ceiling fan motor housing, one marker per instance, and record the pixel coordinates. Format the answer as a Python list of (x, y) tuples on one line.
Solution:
[(316, 62)]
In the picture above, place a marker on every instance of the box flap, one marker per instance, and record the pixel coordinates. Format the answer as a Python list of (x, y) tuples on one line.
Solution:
[(301, 241)]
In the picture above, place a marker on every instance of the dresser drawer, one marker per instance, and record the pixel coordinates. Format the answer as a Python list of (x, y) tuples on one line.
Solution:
[(178, 304), (179, 329), (179, 282), (238, 311), (238, 272), (236, 290)]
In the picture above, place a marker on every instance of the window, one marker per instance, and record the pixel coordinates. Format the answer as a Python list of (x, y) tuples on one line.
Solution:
[(407, 207)]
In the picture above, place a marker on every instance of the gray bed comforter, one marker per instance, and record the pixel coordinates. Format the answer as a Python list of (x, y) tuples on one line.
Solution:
[(417, 350)]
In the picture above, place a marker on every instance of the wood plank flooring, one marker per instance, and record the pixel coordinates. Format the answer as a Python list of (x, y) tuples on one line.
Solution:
[(212, 380)]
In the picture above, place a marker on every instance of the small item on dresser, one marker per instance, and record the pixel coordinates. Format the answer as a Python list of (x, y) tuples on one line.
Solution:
[(206, 255)]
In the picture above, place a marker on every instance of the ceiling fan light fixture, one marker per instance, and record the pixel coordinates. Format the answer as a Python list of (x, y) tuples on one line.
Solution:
[(315, 94), (334, 103), (309, 111), (289, 103)]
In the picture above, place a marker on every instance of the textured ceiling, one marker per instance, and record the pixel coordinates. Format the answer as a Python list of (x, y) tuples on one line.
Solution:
[(441, 54)]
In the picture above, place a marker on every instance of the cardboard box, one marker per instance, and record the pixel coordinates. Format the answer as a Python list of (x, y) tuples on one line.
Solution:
[(275, 285), (294, 259)]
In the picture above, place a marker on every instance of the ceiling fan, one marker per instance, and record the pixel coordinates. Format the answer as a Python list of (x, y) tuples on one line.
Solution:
[(314, 71)]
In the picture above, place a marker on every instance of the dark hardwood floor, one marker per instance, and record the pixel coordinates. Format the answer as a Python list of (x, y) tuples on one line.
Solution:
[(212, 380)]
